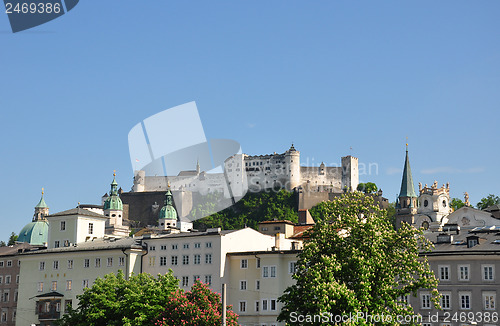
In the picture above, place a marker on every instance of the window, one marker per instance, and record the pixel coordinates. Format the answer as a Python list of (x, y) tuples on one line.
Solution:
[(444, 273), (185, 246), (185, 281), (1, 263), (243, 306), (196, 278), (257, 263), (489, 299), (208, 245), (152, 248), (67, 304), (163, 261), (152, 261), (264, 305), (54, 286), (110, 262), (445, 300), (292, 267), (56, 244), (265, 271), (174, 260), (6, 296), (463, 272), (197, 245), (425, 301), (66, 243), (68, 285), (40, 287), (273, 304), (1, 279), (243, 285), (85, 284), (257, 285), (7, 279), (3, 318), (9, 263), (91, 228), (488, 273), (185, 259), (174, 247), (197, 259), (208, 279), (63, 225), (121, 261), (163, 247), (17, 279), (273, 271), (86, 263), (42, 265), (277, 228), (58, 306), (257, 306), (98, 262), (464, 300), (16, 295), (55, 265), (208, 258), (18, 263), (244, 263)]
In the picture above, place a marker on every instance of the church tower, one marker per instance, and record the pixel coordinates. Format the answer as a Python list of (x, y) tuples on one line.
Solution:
[(41, 210), (113, 209), (168, 214), (406, 204)]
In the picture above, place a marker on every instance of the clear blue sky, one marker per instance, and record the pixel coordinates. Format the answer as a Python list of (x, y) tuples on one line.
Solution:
[(327, 75)]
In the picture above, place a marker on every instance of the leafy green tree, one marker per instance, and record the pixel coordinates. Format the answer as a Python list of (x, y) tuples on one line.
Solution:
[(488, 201), (12, 239), (2, 243), (358, 263), (114, 300), (198, 307), (367, 188), (456, 203)]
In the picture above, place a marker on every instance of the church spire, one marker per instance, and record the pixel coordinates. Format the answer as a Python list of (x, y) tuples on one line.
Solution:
[(407, 187), (113, 202), (41, 209)]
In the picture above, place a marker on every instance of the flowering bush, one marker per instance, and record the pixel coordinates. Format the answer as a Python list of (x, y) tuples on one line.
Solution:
[(198, 307)]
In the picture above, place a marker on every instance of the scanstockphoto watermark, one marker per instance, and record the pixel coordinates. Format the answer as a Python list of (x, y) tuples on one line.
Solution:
[(359, 317)]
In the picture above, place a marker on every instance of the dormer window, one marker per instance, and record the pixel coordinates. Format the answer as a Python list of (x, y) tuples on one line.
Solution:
[(472, 241)]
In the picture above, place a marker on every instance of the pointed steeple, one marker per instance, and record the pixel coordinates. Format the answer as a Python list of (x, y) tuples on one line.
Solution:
[(198, 169), (407, 187), (41, 203)]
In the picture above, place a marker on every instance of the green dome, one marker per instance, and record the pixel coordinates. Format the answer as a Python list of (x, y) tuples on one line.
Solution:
[(168, 211), (35, 233), (113, 202)]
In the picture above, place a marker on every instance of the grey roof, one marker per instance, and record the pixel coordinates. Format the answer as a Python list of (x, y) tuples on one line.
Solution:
[(189, 234), (99, 244), (78, 211), (458, 246), (14, 250)]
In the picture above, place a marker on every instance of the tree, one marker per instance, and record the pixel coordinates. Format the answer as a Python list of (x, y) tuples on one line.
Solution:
[(358, 263), (456, 203), (199, 307), (2, 243), (12, 239), (488, 201), (113, 300), (367, 188)]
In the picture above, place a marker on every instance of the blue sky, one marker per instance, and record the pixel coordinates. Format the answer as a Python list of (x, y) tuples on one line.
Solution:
[(327, 75)]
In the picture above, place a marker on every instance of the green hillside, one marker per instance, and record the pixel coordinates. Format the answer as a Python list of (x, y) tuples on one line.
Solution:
[(250, 210)]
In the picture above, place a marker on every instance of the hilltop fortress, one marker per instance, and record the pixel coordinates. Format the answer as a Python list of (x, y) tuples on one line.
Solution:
[(259, 172)]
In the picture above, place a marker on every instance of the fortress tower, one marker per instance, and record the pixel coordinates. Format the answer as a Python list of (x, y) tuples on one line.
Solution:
[(292, 163), (350, 173)]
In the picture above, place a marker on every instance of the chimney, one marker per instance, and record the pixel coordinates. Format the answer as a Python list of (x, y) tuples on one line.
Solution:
[(305, 217), (277, 240)]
